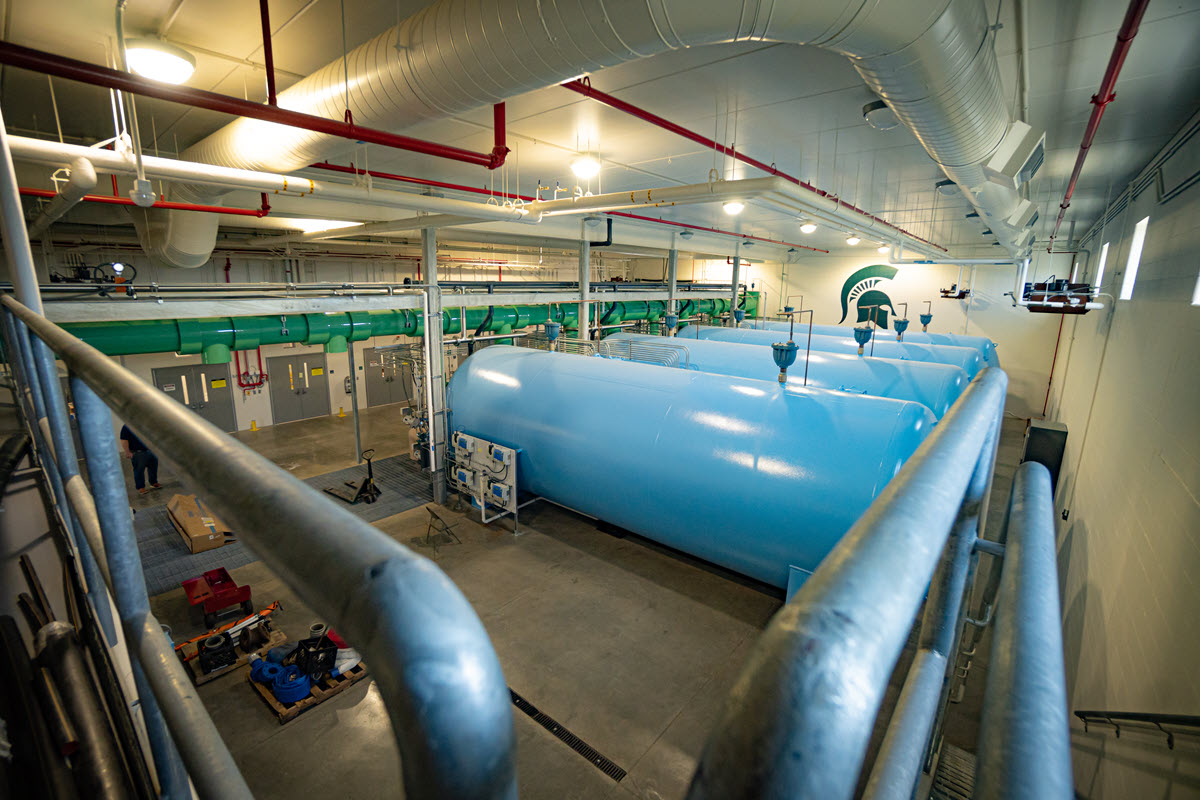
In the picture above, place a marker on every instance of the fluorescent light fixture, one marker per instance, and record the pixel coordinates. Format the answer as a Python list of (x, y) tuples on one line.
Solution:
[(883, 249), (1135, 258), (734, 207), (853, 239), (807, 226), (315, 225), (585, 168), (159, 60), (1100, 267)]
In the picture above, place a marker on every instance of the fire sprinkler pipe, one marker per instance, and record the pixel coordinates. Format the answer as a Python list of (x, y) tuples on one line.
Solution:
[(50, 64), (125, 201), (268, 54), (584, 87), (1101, 99)]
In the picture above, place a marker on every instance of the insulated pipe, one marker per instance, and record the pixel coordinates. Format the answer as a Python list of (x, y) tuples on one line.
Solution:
[(435, 360), (446, 696), (81, 182), (672, 279), (108, 199), (12, 222), (799, 718), (1023, 754)]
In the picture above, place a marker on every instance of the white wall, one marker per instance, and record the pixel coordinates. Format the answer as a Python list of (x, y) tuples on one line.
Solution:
[(1025, 341), (1127, 387)]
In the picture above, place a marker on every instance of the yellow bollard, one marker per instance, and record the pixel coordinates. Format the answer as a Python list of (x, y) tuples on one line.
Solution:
[(253, 425), (341, 411)]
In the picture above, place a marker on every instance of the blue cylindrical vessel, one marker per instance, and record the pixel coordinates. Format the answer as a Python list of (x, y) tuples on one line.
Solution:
[(935, 386), (985, 346), (966, 358), (744, 473)]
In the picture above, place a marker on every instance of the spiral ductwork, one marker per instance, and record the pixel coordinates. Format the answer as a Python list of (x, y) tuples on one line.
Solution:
[(933, 64)]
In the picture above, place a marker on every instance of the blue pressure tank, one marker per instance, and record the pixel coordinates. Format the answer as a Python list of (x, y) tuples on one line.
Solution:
[(966, 358), (748, 474), (985, 346), (935, 386)]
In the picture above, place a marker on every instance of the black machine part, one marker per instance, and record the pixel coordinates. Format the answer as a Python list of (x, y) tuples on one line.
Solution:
[(315, 656), (216, 652)]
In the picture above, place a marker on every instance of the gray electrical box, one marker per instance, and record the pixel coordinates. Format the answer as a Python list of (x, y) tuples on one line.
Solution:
[(1045, 443)]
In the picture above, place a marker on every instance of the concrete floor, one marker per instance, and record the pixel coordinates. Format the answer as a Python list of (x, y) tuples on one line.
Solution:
[(631, 647)]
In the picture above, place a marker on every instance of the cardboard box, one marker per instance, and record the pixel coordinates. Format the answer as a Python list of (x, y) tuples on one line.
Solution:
[(200, 528)]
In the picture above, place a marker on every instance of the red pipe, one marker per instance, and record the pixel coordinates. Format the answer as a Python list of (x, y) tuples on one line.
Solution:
[(268, 54), (84, 72), (1101, 99), (125, 201), (243, 378), (352, 170), (584, 87)]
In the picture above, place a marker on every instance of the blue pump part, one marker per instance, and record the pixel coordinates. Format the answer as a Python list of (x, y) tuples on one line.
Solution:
[(670, 320), (926, 319), (759, 477), (784, 354), (985, 346), (290, 685), (553, 329), (968, 359), (739, 314), (862, 335), (935, 386), (265, 671)]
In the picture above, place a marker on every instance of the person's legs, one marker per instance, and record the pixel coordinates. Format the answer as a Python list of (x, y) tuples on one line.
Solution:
[(152, 465), (139, 470)]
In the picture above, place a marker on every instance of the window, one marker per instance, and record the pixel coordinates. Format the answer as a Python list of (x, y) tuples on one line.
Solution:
[(1196, 292), (1135, 258), (1100, 267)]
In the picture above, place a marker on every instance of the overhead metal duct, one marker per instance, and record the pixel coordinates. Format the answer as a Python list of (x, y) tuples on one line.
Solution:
[(933, 64)]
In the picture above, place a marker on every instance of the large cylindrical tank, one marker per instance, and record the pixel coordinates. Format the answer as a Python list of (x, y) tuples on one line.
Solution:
[(935, 386), (966, 358), (743, 473), (985, 346)]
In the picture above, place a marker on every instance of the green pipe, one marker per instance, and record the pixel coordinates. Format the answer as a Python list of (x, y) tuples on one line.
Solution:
[(214, 338)]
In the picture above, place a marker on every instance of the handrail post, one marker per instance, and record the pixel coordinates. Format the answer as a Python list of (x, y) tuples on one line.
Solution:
[(1024, 744), (212, 767)]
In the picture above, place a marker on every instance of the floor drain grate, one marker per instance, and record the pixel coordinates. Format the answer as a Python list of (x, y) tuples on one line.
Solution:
[(574, 742)]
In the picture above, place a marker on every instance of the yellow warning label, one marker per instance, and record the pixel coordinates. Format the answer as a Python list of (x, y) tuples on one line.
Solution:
[(318, 371), (219, 383)]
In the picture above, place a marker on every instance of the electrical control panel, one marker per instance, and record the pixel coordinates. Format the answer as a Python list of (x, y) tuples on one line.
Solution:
[(486, 472)]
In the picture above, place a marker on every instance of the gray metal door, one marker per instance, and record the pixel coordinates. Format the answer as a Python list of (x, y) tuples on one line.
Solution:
[(204, 388), (299, 387), (385, 383)]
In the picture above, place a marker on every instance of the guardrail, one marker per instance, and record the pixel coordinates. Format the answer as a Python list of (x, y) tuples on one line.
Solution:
[(432, 659)]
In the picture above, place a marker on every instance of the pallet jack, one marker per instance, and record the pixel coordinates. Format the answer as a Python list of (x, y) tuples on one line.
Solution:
[(363, 492)]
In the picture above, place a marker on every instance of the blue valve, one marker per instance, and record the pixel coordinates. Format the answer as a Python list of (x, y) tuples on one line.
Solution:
[(784, 354)]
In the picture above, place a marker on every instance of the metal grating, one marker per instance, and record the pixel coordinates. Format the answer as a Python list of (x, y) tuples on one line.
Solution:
[(571, 740), (667, 353), (954, 778)]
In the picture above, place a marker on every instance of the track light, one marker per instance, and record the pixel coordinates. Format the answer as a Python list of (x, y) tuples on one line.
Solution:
[(585, 168), (807, 226), (734, 207), (853, 239), (159, 60)]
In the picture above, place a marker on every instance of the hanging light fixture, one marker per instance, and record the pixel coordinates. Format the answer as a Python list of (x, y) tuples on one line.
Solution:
[(853, 239), (807, 225), (585, 167), (159, 60), (883, 249), (734, 207)]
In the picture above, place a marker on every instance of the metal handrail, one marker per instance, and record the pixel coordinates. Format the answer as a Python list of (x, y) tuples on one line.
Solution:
[(435, 666), (800, 716), (1140, 719), (1025, 741)]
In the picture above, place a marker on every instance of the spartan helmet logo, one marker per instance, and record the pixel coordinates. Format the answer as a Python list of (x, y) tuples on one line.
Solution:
[(870, 302)]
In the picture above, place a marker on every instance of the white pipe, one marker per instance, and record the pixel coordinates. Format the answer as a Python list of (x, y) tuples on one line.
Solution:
[(56, 154), (373, 229), (895, 260), (81, 181)]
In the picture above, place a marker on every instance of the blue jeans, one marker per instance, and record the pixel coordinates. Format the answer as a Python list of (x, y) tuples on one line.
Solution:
[(144, 460)]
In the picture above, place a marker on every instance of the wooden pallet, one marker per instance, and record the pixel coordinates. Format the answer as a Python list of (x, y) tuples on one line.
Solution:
[(321, 691), (192, 666)]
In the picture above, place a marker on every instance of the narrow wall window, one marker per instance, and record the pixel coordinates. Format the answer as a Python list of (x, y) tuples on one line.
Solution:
[(1100, 267), (1196, 292), (1135, 258)]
